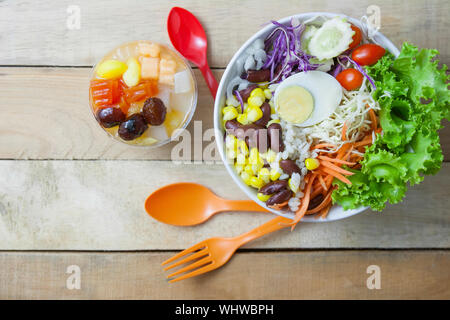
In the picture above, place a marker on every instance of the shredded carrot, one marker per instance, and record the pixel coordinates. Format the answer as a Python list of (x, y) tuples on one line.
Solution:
[(316, 192), (323, 145), (373, 119), (363, 142), (337, 175), (344, 131), (305, 202), (322, 182), (336, 160), (335, 168), (278, 206), (341, 152), (324, 212), (322, 205), (347, 155)]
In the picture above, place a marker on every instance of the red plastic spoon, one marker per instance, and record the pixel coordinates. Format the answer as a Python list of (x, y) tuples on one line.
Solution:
[(188, 37)]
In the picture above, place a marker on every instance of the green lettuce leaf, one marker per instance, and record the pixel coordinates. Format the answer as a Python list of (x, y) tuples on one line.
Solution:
[(414, 99)]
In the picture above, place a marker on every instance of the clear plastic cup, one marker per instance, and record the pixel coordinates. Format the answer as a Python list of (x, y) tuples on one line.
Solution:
[(180, 106)]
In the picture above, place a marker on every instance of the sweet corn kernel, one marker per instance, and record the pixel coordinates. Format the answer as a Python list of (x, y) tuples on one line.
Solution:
[(246, 177), (263, 197), (274, 174), (239, 168), (232, 101), (231, 141), (249, 169), (271, 155), (242, 118), (254, 114), (242, 147), (253, 156), (264, 174), (292, 186), (230, 114), (255, 101), (240, 159), (268, 94), (257, 92), (231, 153), (256, 182), (227, 108), (257, 166), (311, 164)]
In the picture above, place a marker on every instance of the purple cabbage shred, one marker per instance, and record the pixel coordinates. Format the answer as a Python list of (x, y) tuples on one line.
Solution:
[(238, 96), (284, 54)]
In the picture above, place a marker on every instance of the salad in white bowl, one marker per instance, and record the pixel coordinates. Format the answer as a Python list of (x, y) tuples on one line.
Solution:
[(323, 117)]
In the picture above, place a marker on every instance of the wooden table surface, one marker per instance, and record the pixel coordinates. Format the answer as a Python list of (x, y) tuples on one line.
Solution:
[(69, 195)]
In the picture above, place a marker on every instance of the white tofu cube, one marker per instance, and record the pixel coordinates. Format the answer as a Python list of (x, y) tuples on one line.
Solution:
[(182, 82)]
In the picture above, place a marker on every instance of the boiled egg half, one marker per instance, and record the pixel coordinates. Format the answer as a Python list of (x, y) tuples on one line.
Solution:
[(307, 98)]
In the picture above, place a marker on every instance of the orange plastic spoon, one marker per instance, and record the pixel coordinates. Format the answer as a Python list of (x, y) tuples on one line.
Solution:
[(188, 204)]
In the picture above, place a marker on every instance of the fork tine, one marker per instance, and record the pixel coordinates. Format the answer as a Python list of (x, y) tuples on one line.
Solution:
[(193, 256), (194, 265), (194, 273), (185, 252)]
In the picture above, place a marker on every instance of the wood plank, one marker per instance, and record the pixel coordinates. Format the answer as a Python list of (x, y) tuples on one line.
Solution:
[(46, 116), (290, 275), (98, 205), (32, 40)]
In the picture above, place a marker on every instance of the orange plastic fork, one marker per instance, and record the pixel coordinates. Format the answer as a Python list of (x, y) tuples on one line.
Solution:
[(213, 253)]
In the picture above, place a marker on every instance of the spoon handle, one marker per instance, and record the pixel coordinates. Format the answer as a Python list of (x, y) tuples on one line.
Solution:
[(242, 205), (210, 79)]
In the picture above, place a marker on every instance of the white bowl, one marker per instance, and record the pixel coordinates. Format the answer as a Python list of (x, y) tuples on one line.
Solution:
[(336, 212)]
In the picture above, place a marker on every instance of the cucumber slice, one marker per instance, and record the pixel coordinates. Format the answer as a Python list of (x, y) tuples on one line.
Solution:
[(306, 37), (325, 65), (331, 39)]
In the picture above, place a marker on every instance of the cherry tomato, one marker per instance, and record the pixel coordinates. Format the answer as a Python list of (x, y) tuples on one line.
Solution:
[(357, 37), (350, 79), (368, 54)]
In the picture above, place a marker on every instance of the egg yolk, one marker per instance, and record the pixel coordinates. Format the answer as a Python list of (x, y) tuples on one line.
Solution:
[(295, 104)]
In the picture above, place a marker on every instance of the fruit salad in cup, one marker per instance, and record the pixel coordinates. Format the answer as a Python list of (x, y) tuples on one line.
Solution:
[(141, 92)]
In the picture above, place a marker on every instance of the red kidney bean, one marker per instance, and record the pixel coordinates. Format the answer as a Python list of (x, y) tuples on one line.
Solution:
[(261, 75), (232, 125), (245, 94), (274, 187), (110, 117), (289, 167), (279, 197), (265, 108), (275, 137), (315, 201)]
